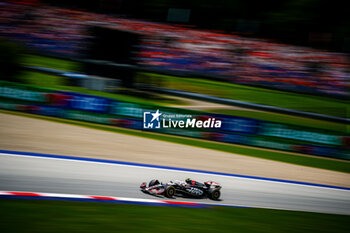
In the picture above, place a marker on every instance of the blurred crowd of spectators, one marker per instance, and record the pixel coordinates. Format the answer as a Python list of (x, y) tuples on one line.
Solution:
[(240, 59)]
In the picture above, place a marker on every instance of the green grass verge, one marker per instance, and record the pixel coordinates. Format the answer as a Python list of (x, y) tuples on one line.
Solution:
[(285, 119), (48, 62), (293, 158), (63, 216), (59, 83), (302, 102)]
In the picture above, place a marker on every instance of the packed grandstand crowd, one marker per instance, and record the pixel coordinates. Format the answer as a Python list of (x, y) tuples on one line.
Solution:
[(183, 49)]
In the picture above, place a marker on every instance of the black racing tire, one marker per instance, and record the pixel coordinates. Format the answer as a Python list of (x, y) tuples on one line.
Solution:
[(214, 194), (153, 182), (169, 191)]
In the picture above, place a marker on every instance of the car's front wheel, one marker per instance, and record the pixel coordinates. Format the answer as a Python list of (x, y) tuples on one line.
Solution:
[(214, 194)]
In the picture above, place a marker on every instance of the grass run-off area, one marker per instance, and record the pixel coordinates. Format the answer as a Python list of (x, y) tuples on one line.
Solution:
[(303, 102), (293, 158), (53, 63), (218, 89), (64, 216), (59, 83), (289, 100)]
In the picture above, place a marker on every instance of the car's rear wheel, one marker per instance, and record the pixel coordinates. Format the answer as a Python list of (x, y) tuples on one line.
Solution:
[(170, 191), (214, 194), (153, 182)]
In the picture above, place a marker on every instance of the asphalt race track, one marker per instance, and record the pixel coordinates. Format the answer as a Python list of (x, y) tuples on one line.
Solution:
[(37, 174)]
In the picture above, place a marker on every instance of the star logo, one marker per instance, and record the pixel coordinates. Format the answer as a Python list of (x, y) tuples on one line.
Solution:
[(156, 115)]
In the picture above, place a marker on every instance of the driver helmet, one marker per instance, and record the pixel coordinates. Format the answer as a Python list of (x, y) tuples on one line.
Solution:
[(188, 181)]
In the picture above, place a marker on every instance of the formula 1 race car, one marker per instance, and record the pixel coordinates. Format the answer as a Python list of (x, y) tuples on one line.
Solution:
[(187, 188)]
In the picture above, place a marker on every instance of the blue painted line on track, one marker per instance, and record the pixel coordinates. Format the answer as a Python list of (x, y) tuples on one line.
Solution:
[(169, 168)]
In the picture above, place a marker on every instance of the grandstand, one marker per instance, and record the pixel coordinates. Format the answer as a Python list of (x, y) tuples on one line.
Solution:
[(238, 59)]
